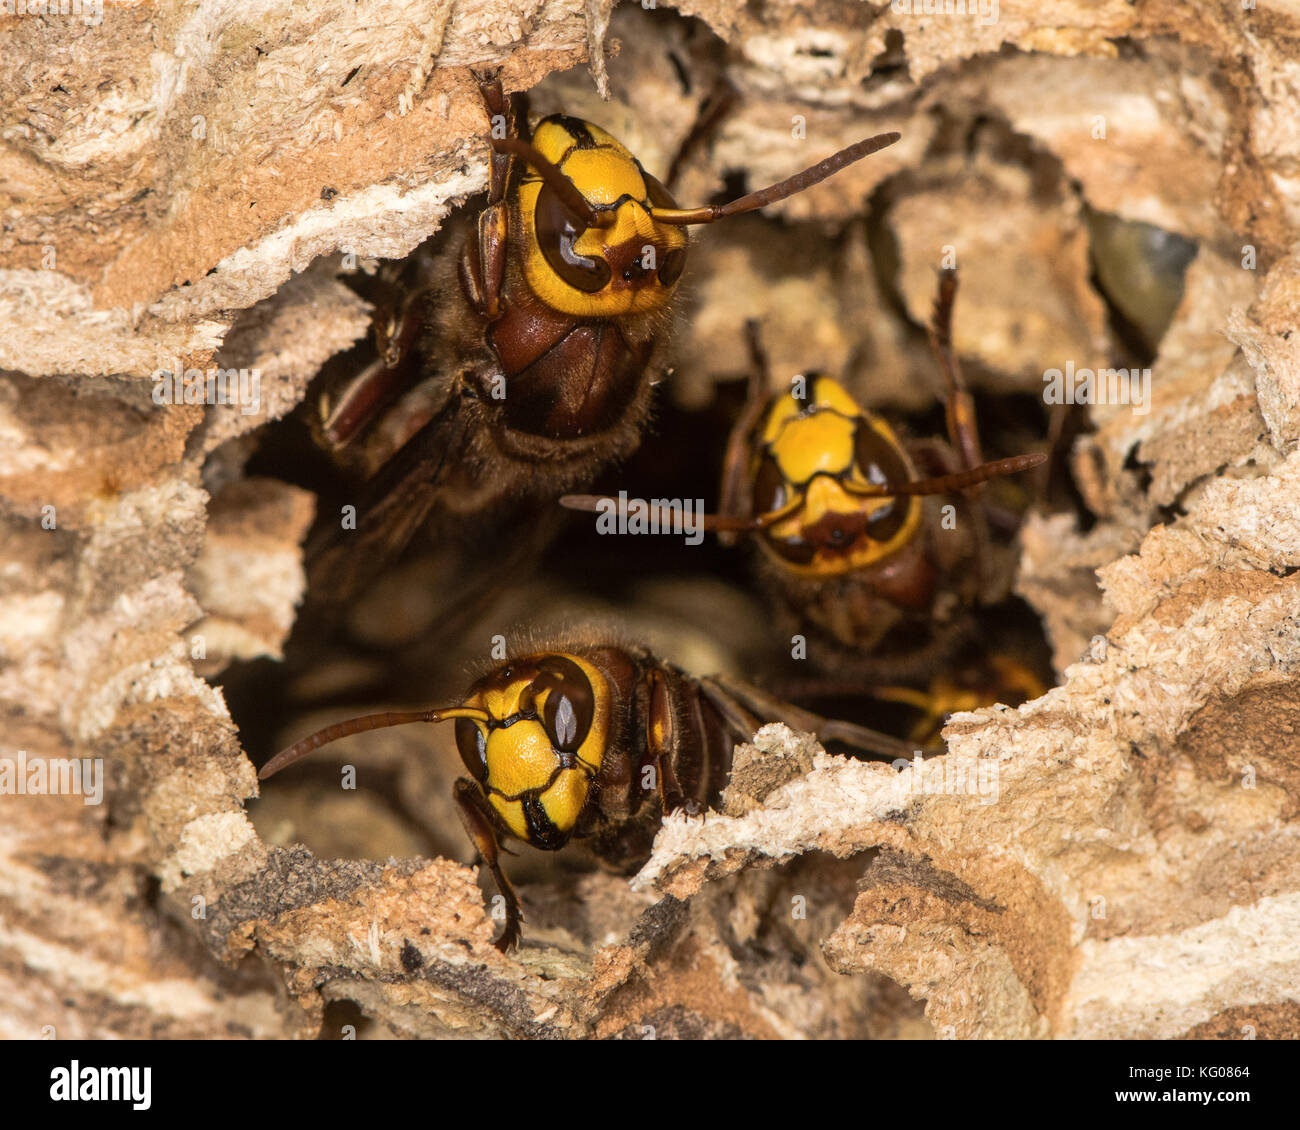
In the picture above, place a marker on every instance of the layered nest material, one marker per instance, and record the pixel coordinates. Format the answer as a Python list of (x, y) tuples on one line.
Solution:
[(192, 183)]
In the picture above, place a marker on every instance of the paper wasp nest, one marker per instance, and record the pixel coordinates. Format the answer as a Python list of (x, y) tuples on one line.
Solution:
[(180, 182)]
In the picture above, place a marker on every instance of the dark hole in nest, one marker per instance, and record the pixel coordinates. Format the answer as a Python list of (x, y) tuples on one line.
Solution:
[(891, 63), (680, 457), (1139, 270), (344, 1020)]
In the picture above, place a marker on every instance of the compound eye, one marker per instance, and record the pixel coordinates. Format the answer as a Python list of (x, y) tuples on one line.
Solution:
[(884, 523), (557, 230), (795, 550), (670, 270), (770, 490), (570, 703), (563, 723), (878, 460), (660, 197), (472, 746)]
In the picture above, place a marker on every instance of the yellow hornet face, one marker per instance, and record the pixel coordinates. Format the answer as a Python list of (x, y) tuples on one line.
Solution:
[(543, 744), (810, 455), (629, 267)]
